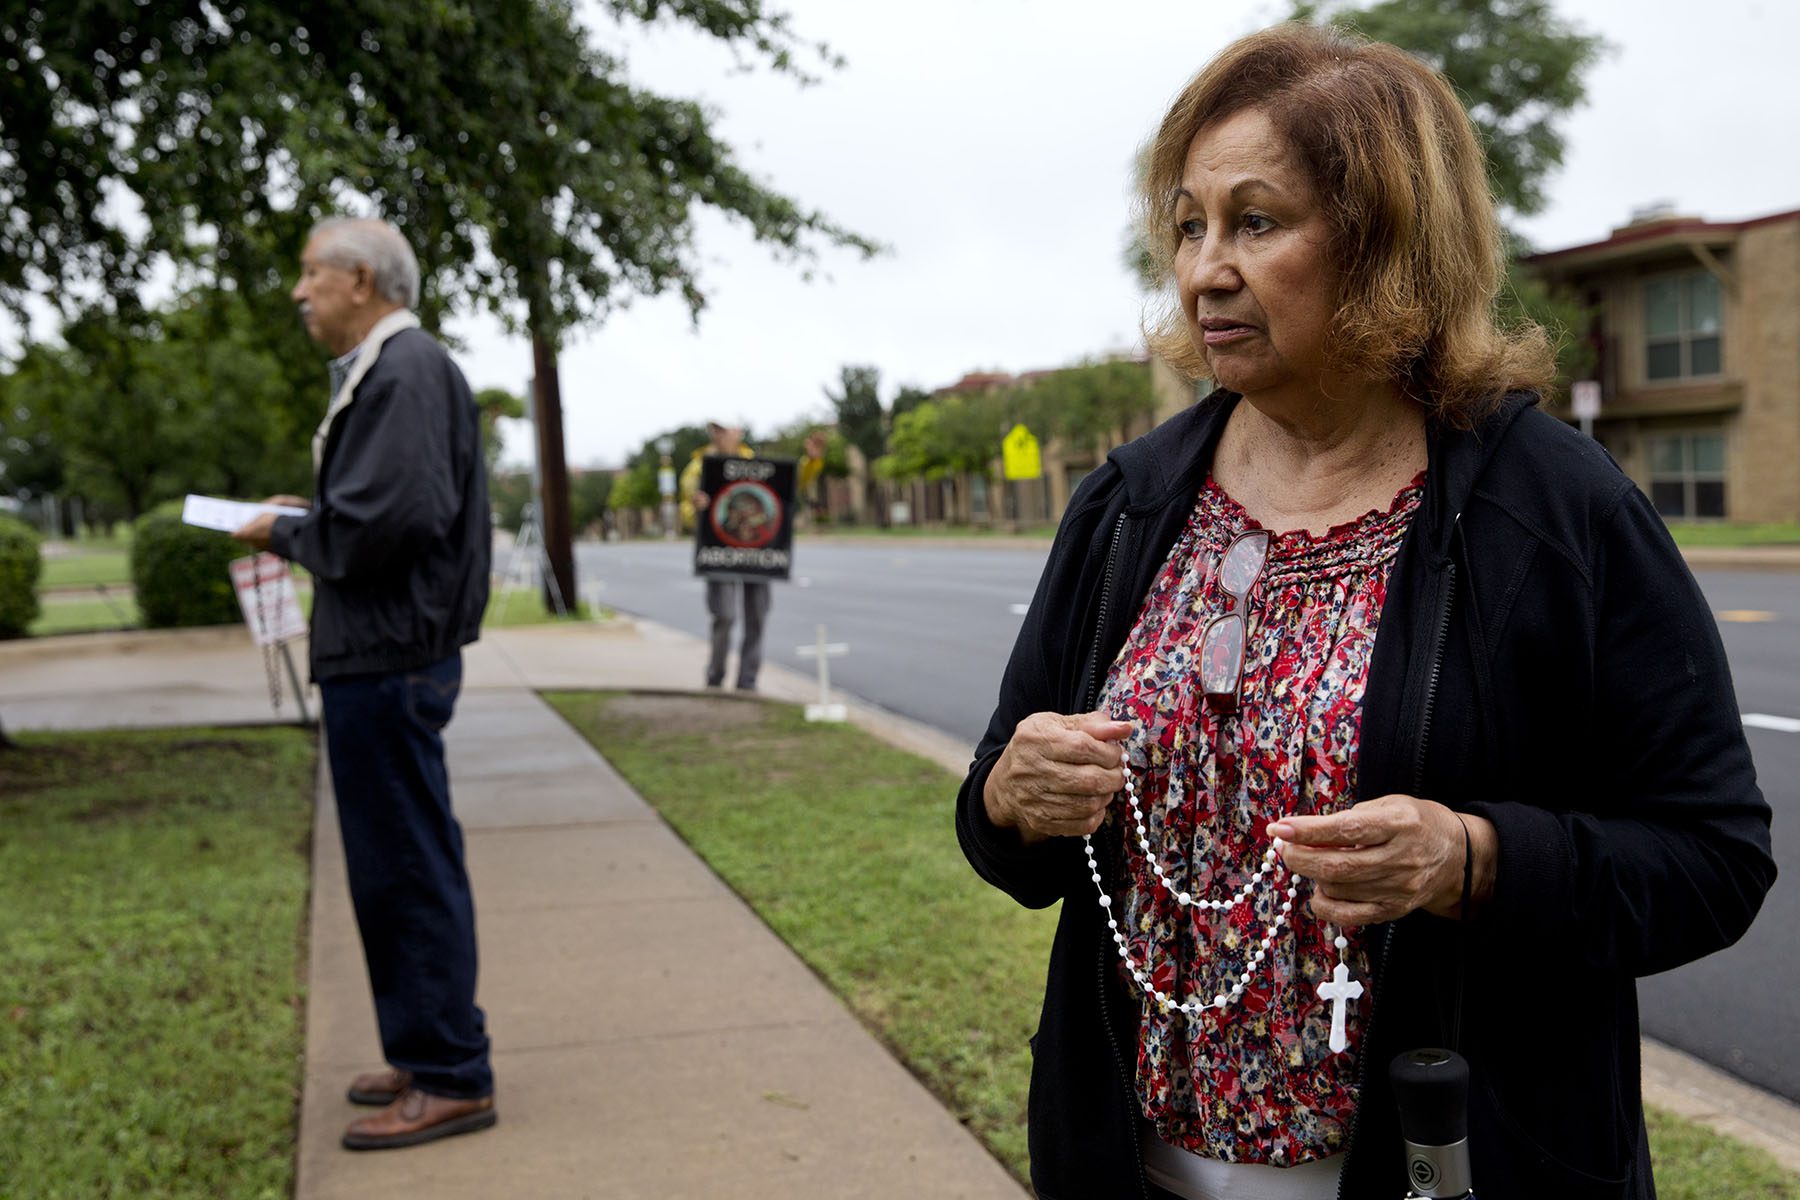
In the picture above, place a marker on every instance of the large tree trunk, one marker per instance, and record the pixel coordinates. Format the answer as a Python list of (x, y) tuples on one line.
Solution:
[(553, 473)]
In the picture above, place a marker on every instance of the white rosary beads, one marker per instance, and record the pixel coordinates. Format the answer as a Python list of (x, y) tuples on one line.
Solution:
[(1194, 1005), (1269, 859), (1339, 989)]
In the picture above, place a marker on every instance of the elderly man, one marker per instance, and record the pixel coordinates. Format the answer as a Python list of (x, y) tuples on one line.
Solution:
[(397, 546)]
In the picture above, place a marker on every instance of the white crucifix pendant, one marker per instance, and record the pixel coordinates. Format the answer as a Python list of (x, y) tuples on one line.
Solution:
[(1339, 989)]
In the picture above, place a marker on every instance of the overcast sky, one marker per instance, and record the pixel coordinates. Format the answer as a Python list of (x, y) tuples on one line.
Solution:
[(989, 144)]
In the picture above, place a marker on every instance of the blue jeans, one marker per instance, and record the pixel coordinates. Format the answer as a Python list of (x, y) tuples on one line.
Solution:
[(404, 851)]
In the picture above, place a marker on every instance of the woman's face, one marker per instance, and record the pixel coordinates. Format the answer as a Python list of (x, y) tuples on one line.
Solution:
[(1253, 266)]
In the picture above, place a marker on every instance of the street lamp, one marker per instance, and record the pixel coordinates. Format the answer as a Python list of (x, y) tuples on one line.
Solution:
[(665, 483)]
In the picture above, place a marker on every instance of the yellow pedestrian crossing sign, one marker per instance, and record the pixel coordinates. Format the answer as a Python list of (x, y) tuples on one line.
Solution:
[(1019, 455)]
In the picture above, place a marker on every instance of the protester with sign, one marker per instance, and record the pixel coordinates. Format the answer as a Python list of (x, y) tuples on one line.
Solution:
[(397, 545), (742, 511), (1363, 706)]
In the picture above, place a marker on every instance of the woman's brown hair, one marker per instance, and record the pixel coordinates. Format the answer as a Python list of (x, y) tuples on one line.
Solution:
[(1403, 183)]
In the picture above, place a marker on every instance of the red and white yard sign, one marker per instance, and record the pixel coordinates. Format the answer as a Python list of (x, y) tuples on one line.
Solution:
[(265, 591)]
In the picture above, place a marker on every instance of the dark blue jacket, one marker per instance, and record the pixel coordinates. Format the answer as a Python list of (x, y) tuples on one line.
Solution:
[(1544, 659), (398, 538)]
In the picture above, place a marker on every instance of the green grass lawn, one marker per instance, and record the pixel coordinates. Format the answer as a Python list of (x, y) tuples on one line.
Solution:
[(154, 888), (525, 606), (89, 613), (1778, 533), (111, 567), (844, 845), (83, 613), (1694, 1163), (119, 539)]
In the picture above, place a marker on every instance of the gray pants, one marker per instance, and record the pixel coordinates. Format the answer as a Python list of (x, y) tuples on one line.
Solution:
[(721, 602)]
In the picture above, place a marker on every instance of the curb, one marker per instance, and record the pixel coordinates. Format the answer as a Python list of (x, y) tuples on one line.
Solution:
[(795, 687), (1755, 558), (1679, 1083), (124, 641)]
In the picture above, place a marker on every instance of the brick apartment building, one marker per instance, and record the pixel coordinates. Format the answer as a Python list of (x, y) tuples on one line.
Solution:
[(1697, 334)]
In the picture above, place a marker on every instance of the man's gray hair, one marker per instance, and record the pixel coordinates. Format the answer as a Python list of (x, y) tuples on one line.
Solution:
[(350, 242)]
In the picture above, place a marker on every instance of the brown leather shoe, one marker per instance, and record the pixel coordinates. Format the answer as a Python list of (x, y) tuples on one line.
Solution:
[(418, 1117), (380, 1088)]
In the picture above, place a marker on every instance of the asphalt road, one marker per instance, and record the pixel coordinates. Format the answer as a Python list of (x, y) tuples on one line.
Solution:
[(930, 628)]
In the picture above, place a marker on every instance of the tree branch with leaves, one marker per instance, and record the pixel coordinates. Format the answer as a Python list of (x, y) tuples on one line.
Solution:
[(533, 177)]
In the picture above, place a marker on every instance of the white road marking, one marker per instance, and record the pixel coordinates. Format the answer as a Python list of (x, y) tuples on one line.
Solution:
[(1019, 610), (1765, 721)]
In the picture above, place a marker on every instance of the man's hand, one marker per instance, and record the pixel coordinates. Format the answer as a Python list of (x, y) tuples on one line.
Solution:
[(255, 533), (1386, 857), (1057, 775), (700, 500)]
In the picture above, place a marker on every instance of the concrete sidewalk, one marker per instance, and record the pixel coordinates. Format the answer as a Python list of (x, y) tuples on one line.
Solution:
[(652, 1037)]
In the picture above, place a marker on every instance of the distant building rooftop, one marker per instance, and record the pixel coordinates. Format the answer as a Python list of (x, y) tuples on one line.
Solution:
[(1653, 230)]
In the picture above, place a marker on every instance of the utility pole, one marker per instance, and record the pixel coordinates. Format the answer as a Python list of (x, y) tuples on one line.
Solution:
[(553, 471)]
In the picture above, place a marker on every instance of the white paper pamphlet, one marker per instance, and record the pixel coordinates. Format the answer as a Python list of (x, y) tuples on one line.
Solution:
[(214, 512)]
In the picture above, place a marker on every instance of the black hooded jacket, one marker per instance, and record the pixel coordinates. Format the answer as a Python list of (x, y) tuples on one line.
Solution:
[(397, 540), (1544, 659)]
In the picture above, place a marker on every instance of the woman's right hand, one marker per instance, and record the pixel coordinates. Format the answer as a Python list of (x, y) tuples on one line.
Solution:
[(1057, 775)]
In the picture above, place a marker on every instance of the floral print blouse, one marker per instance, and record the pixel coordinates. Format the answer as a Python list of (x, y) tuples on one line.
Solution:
[(1257, 1082)]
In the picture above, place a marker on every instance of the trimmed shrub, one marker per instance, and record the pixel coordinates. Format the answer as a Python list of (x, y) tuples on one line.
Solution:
[(19, 567), (181, 572)]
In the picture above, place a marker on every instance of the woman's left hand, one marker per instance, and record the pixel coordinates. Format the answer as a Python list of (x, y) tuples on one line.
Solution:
[(1387, 857)]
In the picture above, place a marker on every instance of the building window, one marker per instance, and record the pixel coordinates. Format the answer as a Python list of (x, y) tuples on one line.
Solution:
[(1682, 324), (1687, 475)]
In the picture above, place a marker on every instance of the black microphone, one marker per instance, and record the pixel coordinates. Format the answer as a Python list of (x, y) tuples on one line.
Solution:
[(1431, 1088)]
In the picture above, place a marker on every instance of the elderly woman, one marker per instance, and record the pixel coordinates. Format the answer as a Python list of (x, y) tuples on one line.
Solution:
[(1362, 707)]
